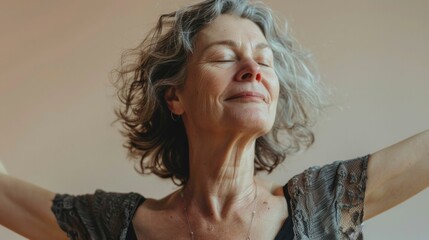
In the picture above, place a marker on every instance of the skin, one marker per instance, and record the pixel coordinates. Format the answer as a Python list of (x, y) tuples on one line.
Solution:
[(229, 99), (222, 126)]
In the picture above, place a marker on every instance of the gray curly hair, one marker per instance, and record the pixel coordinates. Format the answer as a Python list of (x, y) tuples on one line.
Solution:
[(159, 63)]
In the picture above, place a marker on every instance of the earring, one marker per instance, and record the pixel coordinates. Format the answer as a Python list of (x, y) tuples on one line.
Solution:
[(174, 117)]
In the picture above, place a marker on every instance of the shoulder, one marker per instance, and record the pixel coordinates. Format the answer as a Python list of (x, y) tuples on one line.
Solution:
[(331, 195), (103, 214), (336, 174)]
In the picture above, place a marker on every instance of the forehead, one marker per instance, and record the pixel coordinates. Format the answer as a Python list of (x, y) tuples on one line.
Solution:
[(230, 28)]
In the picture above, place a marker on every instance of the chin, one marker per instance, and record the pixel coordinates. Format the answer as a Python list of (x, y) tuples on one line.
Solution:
[(259, 125), (252, 120)]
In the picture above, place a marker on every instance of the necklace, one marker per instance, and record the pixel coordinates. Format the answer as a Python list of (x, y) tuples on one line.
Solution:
[(191, 232)]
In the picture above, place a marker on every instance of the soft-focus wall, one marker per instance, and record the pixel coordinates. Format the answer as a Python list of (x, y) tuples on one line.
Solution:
[(56, 100)]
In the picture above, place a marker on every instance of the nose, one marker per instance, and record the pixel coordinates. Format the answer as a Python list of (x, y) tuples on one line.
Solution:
[(250, 71)]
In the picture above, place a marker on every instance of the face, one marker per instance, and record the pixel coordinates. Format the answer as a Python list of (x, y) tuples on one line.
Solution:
[(231, 84)]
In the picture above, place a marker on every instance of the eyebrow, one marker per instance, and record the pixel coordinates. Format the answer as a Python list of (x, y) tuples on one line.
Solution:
[(233, 44)]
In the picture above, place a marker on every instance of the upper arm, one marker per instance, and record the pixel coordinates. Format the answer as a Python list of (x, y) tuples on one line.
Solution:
[(26, 209), (397, 173)]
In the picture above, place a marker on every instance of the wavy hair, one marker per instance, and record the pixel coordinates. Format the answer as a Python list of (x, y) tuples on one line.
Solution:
[(159, 62)]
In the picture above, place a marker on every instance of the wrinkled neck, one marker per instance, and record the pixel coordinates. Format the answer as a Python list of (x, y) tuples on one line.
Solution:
[(221, 175)]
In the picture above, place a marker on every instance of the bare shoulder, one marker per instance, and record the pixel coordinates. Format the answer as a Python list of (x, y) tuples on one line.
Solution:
[(153, 206), (153, 215), (273, 205), (274, 188), (273, 198)]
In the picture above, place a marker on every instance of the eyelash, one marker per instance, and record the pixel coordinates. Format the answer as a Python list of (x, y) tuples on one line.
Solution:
[(224, 61), (260, 63)]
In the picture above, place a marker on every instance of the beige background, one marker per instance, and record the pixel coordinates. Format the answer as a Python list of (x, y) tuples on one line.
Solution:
[(56, 101)]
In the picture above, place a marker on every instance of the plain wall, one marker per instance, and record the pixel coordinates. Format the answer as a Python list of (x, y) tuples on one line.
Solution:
[(56, 101)]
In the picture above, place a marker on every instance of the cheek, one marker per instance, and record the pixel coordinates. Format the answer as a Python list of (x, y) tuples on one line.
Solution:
[(273, 86), (276, 88), (194, 84), (214, 80), (203, 90)]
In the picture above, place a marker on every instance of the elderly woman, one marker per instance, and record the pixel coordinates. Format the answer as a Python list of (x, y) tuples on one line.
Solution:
[(219, 92)]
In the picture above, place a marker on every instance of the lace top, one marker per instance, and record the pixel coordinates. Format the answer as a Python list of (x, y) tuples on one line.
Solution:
[(325, 203)]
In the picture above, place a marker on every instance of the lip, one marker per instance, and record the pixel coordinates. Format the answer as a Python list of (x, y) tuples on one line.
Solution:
[(247, 95)]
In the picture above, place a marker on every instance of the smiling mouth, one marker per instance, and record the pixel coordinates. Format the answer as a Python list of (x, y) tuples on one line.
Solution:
[(248, 96)]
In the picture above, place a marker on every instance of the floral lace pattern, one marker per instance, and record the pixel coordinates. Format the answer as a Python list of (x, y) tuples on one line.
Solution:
[(327, 202), (96, 216)]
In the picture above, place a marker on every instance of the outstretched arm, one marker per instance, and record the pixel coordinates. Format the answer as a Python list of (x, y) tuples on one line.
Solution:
[(397, 173), (26, 209)]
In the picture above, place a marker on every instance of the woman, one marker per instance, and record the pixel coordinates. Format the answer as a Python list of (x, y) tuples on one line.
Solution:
[(217, 96)]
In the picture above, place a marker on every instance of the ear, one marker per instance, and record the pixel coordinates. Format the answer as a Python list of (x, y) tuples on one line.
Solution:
[(173, 101)]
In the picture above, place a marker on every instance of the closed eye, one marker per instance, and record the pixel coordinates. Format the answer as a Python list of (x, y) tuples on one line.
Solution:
[(224, 61), (264, 64)]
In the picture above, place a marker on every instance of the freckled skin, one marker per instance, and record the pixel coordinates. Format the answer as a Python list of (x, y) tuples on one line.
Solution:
[(228, 100), (212, 77)]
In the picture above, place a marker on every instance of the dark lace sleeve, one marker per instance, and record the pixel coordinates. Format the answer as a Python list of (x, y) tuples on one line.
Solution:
[(101, 215), (327, 202)]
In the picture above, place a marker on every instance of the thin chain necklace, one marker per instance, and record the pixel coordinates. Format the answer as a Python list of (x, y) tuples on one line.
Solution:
[(191, 232)]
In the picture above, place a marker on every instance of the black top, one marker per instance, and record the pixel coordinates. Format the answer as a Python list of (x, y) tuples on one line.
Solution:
[(323, 202)]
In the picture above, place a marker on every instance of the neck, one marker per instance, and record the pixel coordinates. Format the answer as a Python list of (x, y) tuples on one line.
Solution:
[(221, 176)]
